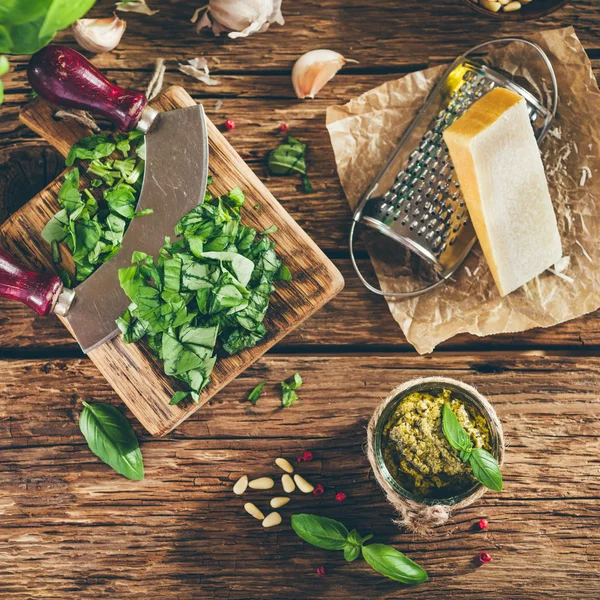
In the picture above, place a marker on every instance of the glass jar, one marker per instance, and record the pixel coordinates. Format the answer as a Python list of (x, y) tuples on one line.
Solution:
[(434, 386)]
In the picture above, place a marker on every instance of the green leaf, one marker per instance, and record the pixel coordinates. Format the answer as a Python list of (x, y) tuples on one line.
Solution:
[(269, 230), (455, 433), (486, 469), (288, 390), (320, 531), (178, 397), (256, 393), (61, 14), (351, 552), (284, 274), (393, 564), (112, 439)]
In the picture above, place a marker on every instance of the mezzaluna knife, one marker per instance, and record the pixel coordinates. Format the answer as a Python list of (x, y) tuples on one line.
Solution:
[(175, 177)]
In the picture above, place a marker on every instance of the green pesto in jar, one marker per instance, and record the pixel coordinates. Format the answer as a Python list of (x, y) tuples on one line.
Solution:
[(415, 449)]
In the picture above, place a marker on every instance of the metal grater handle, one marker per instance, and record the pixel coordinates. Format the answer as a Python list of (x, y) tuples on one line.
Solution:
[(548, 119)]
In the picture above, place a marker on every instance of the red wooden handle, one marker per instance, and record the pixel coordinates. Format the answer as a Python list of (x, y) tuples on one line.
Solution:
[(38, 290), (66, 78)]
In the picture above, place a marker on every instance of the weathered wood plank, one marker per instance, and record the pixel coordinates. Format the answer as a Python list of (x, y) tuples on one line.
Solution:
[(70, 525), (378, 34), (355, 318)]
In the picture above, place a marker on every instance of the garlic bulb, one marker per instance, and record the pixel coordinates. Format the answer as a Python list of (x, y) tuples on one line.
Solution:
[(240, 18), (314, 69), (99, 35)]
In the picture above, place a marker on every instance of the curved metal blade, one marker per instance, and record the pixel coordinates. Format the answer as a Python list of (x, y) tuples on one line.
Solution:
[(174, 182)]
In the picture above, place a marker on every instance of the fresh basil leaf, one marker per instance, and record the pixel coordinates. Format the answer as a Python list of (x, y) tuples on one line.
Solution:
[(284, 274), (112, 439), (288, 390), (486, 469), (256, 393), (455, 433), (393, 564), (269, 230), (289, 158), (351, 552), (178, 397), (320, 531)]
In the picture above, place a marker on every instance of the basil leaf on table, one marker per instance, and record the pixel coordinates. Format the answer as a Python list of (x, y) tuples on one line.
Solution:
[(256, 393), (289, 158), (321, 532), (288, 390), (111, 438), (455, 433), (393, 564), (486, 469)]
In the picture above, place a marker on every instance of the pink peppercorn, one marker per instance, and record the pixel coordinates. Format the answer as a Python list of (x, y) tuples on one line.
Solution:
[(483, 524), (485, 557), (230, 124), (319, 489), (306, 457), (340, 496), (321, 571), (284, 127)]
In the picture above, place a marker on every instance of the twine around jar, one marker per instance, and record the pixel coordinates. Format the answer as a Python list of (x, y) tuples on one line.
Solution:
[(415, 516)]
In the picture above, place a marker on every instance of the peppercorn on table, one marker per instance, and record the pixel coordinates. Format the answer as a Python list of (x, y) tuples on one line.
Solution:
[(71, 527)]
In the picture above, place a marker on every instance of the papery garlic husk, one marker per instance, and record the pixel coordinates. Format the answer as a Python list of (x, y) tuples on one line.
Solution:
[(314, 69), (99, 35), (240, 18), (198, 69)]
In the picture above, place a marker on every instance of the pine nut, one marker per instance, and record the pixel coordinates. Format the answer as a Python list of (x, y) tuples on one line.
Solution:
[(284, 464), (279, 501), (262, 483), (304, 486), (512, 6), (288, 484), (272, 519), (253, 510), (240, 485), (491, 5)]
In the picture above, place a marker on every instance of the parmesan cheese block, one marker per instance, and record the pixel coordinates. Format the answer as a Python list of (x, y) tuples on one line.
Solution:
[(500, 171)]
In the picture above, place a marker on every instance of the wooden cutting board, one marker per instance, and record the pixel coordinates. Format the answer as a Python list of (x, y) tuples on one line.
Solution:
[(131, 369)]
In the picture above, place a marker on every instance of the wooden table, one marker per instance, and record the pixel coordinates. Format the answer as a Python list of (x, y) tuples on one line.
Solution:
[(71, 528)]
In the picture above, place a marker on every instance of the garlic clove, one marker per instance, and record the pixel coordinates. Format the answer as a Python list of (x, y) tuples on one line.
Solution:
[(136, 6), (314, 69), (99, 35)]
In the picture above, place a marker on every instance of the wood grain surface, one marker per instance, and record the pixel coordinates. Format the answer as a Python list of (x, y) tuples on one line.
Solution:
[(132, 370), (72, 529)]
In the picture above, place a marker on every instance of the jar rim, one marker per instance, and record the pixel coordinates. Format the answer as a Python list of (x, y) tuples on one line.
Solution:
[(434, 385)]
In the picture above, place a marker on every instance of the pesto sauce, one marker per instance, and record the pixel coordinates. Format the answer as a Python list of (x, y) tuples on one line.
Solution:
[(415, 449)]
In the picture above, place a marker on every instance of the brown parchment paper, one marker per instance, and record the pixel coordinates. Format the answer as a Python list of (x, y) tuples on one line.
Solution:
[(365, 131)]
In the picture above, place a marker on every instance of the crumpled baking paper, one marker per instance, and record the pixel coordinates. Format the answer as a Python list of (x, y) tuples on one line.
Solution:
[(365, 131)]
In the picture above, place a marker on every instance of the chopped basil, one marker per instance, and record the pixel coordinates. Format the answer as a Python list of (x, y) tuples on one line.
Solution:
[(207, 291), (288, 390), (92, 225), (255, 394), (289, 158)]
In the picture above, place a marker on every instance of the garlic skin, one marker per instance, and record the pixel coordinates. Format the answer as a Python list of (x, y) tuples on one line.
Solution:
[(240, 18), (99, 35), (314, 69)]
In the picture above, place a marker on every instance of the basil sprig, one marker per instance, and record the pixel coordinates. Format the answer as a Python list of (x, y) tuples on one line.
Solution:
[(112, 439), (330, 534), (484, 466)]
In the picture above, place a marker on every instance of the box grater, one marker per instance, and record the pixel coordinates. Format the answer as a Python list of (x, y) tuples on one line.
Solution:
[(416, 198)]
